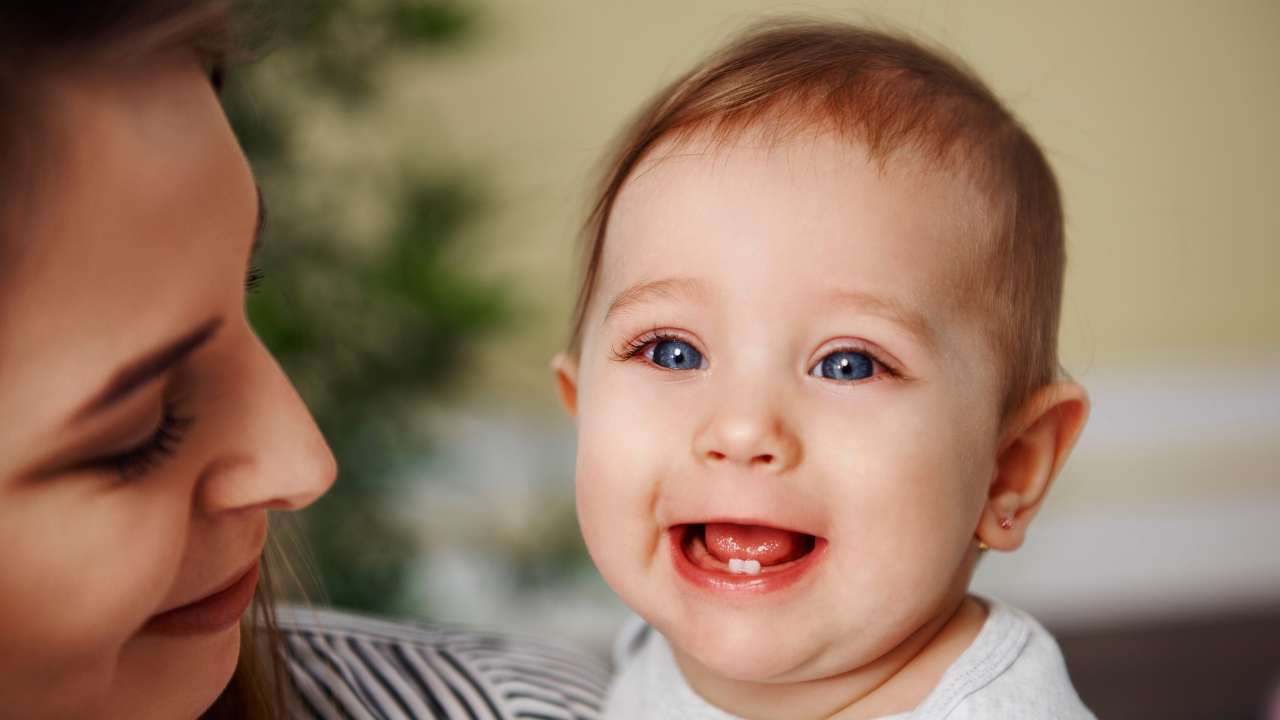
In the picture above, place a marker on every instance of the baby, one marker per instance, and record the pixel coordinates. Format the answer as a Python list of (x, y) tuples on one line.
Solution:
[(814, 373)]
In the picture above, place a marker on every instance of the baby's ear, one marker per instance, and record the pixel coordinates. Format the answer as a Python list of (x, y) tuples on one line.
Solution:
[(566, 372), (1034, 447)]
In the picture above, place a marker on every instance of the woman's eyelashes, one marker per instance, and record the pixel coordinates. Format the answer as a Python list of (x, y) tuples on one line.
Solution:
[(253, 279), (162, 443)]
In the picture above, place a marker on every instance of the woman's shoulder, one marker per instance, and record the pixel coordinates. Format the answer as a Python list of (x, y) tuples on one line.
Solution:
[(348, 665)]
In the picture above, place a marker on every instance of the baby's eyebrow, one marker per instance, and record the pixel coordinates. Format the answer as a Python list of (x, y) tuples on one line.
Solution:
[(890, 309), (675, 287)]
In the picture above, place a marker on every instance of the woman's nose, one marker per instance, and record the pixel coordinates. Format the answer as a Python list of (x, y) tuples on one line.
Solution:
[(275, 456), (749, 432)]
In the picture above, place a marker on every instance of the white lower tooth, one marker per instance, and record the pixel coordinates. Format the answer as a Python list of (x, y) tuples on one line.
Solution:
[(751, 567), (736, 566)]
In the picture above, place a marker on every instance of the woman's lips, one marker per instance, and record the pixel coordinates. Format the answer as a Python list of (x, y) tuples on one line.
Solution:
[(213, 613), (697, 565)]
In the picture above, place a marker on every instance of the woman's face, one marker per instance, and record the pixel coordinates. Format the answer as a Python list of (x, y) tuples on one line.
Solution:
[(145, 429)]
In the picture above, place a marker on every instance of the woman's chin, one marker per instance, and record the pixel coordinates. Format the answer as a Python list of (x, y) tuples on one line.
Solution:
[(174, 676)]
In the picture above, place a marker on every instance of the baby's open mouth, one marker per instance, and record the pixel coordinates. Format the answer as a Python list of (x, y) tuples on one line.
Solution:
[(744, 549)]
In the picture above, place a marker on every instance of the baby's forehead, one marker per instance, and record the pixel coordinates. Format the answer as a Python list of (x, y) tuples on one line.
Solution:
[(800, 191)]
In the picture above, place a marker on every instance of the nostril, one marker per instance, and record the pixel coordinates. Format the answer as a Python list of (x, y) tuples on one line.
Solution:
[(765, 459), (715, 455)]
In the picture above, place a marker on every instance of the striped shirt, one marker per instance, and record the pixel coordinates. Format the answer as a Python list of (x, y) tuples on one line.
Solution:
[(349, 667)]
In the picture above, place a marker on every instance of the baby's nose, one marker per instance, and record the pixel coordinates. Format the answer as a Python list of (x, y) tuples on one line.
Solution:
[(750, 438)]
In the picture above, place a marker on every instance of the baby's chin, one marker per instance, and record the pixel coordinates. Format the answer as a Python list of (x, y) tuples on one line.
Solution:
[(748, 649)]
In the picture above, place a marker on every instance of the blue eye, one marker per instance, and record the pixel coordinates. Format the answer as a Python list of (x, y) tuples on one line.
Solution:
[(676, 355), (845, 365)]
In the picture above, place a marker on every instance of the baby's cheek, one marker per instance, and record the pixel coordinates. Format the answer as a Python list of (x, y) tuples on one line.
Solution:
[(610, 488), (616, 482), (590, 489)]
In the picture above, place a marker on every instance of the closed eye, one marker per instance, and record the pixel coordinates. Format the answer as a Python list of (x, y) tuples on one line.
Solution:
[(162, 443)]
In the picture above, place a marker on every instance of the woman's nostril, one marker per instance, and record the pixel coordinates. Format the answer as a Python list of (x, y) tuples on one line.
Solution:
[(765, 459)]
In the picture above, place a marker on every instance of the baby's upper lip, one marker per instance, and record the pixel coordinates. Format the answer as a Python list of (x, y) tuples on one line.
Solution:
[(755, 521)]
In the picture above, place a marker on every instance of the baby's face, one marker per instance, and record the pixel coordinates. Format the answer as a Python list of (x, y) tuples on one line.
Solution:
[(787, 424)]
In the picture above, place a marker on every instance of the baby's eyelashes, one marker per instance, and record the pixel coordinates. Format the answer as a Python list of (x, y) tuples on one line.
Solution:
[(663, 349), (670, 351), (666, 350), (850, 366), (852, 361)]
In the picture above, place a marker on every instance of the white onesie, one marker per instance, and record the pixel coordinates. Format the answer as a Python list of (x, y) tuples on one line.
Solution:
[(1013, 669)]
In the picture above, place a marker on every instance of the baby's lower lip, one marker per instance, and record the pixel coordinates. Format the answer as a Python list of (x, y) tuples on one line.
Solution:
[(695, 564)]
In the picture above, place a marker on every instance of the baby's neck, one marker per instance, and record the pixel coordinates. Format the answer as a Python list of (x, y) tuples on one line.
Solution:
[(893, 683)]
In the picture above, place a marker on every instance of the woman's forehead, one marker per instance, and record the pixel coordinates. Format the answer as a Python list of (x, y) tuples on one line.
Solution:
[(140, 228)]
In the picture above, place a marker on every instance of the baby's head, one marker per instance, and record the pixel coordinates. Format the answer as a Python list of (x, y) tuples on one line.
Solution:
[(814, 356)]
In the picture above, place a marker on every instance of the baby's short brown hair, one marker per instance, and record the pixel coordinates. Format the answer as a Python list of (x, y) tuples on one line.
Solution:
[(891, 94)]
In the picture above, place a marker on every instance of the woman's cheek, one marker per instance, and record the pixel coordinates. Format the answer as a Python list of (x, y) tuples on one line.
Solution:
[(86, 564), (119, 562)]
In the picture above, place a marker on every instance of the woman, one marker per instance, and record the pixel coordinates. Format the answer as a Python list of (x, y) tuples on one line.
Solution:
[(147, 432)]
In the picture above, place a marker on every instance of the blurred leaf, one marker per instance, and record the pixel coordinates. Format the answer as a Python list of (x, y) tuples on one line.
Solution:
[(431, 21), (369, 329)]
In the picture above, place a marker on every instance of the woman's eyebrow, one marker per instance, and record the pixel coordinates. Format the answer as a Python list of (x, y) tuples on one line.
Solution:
[(157, 362), (149, 366)]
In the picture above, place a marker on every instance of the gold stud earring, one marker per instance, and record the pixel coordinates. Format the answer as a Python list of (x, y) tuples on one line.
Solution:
[(983, 546)]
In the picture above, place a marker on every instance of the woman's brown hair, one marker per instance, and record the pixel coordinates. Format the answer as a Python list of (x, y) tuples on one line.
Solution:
[(46, 36)]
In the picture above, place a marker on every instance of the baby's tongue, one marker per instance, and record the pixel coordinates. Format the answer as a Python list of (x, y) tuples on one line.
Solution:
[(769, 546)]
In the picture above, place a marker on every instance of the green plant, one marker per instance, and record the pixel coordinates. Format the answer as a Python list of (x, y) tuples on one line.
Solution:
[(368, 323)]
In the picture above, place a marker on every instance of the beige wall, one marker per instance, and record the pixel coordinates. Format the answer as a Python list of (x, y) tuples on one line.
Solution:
[(1162, 120)]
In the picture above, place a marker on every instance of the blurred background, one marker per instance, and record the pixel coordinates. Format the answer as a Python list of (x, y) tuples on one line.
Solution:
[(427, 165)]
